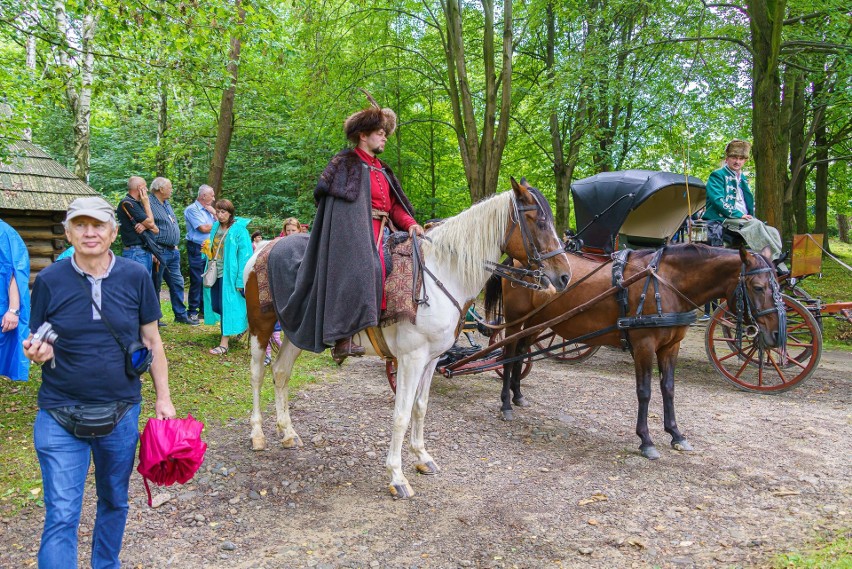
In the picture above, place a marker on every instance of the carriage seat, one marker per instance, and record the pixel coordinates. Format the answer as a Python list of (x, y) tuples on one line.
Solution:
[(720, 236)]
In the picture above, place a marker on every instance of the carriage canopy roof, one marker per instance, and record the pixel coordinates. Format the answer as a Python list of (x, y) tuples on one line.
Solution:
[(644, 205)]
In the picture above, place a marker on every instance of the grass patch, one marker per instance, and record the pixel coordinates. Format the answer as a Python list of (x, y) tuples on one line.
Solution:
[(215, 389), (835, 285), (831, 553)]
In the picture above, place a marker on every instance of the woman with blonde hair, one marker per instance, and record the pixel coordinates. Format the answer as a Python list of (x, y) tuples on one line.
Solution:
[(291, 226)]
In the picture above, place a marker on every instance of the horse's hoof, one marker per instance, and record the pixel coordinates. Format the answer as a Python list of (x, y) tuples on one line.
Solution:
[(682, 445), (258, 443), (651, 452), (428, 468), (508, 415), (401, 491), (293, 442), (521, 402)]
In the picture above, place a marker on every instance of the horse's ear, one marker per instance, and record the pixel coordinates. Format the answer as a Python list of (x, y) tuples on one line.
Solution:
[(743, 254), (524, 182), (766, 253), (519, 189)]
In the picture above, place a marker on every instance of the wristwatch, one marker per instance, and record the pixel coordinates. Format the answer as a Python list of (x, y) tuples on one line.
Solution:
[(15, 311)]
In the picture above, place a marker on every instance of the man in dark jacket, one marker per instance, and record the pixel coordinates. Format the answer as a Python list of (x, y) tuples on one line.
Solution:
[(338, 290)]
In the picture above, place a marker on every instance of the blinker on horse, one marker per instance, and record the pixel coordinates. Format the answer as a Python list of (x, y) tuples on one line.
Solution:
[(698, 272), (518, 223)]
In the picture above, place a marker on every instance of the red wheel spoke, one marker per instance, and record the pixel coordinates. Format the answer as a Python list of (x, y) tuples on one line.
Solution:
[(776, 366), (746, 359)]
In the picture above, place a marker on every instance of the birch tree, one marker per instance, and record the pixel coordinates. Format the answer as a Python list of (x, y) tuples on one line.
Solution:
[(74, 57)]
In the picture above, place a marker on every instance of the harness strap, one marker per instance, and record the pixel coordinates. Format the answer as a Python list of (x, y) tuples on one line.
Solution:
[(419, 265), (619, 262)]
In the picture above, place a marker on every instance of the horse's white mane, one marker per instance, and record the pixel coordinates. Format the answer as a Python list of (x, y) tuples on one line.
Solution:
[(471, 237)]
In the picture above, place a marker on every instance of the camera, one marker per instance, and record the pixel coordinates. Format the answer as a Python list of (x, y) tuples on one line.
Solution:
[(46, 333)]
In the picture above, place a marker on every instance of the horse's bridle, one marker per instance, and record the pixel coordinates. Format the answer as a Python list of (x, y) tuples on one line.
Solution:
[(535, 258), (746, 310)]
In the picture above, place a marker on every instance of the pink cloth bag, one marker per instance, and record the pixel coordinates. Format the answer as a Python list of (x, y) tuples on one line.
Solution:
[(170, 450)]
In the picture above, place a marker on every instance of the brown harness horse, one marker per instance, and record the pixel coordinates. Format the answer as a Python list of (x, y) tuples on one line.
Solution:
[(699, 273)]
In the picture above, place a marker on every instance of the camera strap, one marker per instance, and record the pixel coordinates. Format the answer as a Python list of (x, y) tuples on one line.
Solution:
[(88, 289)]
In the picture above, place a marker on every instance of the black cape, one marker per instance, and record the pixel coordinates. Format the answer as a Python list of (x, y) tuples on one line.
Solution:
[(328, 285)]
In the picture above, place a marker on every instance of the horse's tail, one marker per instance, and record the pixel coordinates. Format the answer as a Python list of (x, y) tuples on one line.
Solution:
[(493, 298)]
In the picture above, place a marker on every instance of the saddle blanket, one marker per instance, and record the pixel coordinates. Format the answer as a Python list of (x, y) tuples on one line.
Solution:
[(261, 265), (399, 285)]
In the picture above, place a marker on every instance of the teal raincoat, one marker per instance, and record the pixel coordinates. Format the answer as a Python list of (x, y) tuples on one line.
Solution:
[(236, 253)]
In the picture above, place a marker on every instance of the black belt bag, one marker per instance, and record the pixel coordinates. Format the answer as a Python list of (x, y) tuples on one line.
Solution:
[(92, 420)]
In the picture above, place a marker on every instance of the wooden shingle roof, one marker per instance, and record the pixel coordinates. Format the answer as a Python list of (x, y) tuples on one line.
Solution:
[(33, 181)]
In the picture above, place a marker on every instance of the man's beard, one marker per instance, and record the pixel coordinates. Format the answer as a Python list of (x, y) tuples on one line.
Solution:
[(378, 150)]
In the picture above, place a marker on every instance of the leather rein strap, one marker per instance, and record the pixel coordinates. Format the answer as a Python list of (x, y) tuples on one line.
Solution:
[(518, 275)]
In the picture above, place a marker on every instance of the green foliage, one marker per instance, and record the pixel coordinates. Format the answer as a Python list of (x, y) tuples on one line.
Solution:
[(215, 389), (659, 86)]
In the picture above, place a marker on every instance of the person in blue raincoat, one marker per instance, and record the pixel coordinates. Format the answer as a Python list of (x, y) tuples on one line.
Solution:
[(230, 246), (14, 303)]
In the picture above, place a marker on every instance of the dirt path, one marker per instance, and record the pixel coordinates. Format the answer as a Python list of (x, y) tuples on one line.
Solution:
[(561, 485)]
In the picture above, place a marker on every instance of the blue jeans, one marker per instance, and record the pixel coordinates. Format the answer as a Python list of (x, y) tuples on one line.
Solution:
[(64, 461), (140, 255), (195, 297), (169, 269)]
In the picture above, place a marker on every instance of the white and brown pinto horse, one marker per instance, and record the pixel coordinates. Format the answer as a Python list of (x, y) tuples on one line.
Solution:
[(518, 223)]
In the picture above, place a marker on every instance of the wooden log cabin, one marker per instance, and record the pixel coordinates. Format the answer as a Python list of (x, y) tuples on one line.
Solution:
[(35, 192)]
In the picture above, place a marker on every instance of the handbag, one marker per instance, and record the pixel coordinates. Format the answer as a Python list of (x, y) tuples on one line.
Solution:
[(137, 356), (91, 420), (211, 273)]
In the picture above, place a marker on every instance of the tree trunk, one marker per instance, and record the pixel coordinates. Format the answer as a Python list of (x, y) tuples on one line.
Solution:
[(843, 227), (787, 100), (79, 100), (30, 19), (766, 18), (480, 156), (162, 126), (798, 154), (563, 162), (226, 109), (821, 157)]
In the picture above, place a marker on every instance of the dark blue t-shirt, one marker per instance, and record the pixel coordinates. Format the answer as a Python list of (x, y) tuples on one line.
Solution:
[(89, 362)]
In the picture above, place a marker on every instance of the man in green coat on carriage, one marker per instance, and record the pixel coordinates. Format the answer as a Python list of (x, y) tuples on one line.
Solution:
[(730, 203)]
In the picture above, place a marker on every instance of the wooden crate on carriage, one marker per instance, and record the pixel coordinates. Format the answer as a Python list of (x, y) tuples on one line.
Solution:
[(807, 255)]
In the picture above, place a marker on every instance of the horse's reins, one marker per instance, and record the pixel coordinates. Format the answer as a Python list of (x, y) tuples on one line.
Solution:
[(534, 257), (532, 252), (550, 299)]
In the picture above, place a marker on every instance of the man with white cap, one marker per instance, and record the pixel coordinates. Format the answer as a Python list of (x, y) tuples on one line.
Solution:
[(98, 305), (731, 203)]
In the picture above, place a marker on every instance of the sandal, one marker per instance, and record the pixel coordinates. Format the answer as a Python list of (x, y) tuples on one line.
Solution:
[(219, 351)]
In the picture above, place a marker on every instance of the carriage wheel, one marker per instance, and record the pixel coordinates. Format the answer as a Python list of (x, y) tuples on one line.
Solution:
[(498, 355), (574, 353), (390, 370), (746, 369)]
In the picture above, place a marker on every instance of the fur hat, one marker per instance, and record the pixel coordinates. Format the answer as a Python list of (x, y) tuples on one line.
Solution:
[(369, 120), (738, 148)]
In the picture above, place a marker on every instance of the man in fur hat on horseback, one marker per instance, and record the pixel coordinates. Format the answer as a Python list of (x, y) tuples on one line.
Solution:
[(339, 287), (731, 203)]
